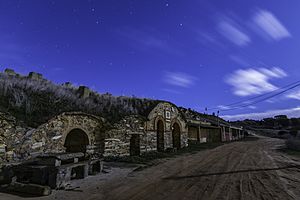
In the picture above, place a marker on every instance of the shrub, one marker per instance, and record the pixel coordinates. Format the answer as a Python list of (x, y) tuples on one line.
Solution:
[(36, 101)]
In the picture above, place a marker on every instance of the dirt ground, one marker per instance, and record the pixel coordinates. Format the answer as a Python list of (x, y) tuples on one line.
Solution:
[(252, 169)]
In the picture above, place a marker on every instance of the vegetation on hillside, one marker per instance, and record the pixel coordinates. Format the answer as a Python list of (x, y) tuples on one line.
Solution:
[(277, 122), (36, 101), (192, 114)]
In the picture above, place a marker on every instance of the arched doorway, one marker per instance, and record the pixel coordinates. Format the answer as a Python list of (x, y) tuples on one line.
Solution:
[(160, 135), (76, 141), (176, 135)]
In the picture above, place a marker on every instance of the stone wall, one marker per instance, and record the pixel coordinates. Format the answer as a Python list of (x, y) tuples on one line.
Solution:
[(35, 76), (50, 137), (148, 142), (117, 140), (169, 114), (13, 137), (10, 72), (23, 143), (84, 92)]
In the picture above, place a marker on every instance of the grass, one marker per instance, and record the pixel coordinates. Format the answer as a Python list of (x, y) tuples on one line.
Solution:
[(148, 157)]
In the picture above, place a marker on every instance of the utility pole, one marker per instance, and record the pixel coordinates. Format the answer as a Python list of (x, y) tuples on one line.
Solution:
[(218, 118)]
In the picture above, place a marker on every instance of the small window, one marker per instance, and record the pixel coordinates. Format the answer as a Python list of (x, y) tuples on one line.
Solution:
[(168, 115)]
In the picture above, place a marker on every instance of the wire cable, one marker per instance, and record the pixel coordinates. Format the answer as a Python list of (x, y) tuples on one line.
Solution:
[(264, 99)]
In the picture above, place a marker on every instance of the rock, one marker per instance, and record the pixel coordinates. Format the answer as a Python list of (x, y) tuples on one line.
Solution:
[(29, 133), (2, 148), (57, 137), (33, 189), (38, 145)]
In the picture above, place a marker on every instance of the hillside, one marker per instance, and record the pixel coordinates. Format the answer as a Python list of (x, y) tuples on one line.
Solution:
[(276, 122), (33, 100), (192, 114)]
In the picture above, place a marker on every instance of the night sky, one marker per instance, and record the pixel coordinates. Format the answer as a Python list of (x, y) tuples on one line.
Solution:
[(197, 53)]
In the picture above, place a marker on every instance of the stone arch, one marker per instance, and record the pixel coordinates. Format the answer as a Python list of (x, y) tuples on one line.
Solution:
[(168, 113), (52, 136), (176, 133), (157, 118), (160, 133), (76, 141)]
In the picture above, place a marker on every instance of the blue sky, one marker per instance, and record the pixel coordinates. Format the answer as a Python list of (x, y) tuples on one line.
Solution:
[(198, 53)]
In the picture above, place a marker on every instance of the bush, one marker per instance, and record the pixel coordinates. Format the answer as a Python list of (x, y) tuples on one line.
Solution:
[(36, 101)]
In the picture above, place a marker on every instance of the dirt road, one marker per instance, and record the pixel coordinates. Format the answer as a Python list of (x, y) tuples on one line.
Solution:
[(239, 170)]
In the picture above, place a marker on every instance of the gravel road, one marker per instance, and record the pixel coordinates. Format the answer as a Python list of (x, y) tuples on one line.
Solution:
[(252, 169)]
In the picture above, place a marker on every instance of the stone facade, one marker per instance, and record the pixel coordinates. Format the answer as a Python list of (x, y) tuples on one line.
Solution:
[(170, 116), (117, 140), (204, 130), (80, 132), (12, 138), (134, 134), (51, 137), (18, 143)]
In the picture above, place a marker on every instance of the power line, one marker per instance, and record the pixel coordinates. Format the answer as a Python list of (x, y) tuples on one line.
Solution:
[(264, 99), (256, 97), (242, 104)]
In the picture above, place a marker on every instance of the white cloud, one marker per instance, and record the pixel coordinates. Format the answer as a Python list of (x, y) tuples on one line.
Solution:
[(251, 81), (229, 107), (179, 79), (294, 95), (222, 107), (291, 112), (271, 26), (233, 34), (274, 72)]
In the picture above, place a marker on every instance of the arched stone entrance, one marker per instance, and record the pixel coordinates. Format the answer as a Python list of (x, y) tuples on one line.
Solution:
[(160, 135), (176, 135), (76, 141)]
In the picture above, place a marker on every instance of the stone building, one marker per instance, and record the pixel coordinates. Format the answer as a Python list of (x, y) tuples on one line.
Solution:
[(10, 72), (35, 76), (226, 133), (237, 133), (84, 91), (200, 131), (69, 146), (209, 128), (69, 132), (162, 128)]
